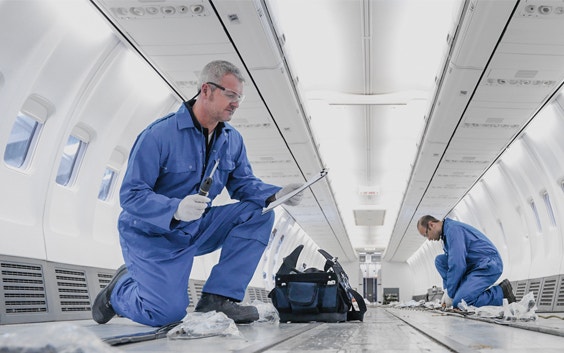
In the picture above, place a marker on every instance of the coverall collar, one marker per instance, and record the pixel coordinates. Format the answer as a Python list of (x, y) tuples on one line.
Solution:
[(193, 122)]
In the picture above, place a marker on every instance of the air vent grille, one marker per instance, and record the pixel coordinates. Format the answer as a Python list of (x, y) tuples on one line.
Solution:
[(520, 290), (546, 298), (24, 288), (559, 300), (73, 290), (197, 286), (104, 279), (258, 294)]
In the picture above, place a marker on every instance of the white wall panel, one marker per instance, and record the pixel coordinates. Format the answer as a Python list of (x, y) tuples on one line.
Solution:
[(131, 101), (37, 64), (518, 261), (529, 168), (422, 268)]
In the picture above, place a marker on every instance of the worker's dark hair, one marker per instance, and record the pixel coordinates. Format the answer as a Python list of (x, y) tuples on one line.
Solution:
[(425, 220)]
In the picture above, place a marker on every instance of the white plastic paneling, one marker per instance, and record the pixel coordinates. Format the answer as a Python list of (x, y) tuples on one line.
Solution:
[(518, 245), (249, 28), (480, 31), (78, 227), (37, 65)]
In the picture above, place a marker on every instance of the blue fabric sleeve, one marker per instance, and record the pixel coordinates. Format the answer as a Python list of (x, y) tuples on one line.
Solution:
[(457, 252)]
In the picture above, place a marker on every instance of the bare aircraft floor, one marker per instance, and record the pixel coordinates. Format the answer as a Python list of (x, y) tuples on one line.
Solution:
[(383, 330)]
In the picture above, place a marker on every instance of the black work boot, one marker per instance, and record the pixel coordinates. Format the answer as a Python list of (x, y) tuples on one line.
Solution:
[(241, 314), (507, 291), (102, 310)]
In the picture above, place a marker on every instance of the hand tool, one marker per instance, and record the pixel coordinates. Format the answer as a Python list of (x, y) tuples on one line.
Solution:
[(205, 187)]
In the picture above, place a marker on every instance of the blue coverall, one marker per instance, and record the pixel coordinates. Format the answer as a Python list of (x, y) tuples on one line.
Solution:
[(167, 163), (470, 265)]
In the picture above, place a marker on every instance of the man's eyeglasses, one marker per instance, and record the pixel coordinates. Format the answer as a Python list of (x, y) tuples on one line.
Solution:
[(233, 96)]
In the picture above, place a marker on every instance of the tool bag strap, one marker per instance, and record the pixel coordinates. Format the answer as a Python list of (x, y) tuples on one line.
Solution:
[(331, 263), (353, 314)]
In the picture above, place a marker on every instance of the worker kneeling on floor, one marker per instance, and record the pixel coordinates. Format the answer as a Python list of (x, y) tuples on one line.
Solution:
[(470, 265)]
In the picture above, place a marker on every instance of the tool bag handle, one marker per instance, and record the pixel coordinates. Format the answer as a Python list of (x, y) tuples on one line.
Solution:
[(331, 263)]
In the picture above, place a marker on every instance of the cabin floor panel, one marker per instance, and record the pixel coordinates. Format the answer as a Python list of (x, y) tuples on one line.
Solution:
[(383, 330)]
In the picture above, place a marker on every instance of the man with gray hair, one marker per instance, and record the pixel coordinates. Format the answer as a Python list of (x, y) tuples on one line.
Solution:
[(167, 217)]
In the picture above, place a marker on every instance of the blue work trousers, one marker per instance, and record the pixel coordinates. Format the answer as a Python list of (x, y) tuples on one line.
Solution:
[(476, 284), (155, 290)]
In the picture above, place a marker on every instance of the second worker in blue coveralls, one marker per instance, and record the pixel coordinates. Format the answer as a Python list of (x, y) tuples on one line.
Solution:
[(165, 223), (470, 265)]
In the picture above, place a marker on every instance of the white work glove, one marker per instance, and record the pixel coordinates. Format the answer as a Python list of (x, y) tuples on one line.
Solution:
[(446, 301), (191, 208), (296, 199)]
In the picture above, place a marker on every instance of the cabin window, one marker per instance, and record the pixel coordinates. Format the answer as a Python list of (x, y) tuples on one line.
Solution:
[(536, 213), (549, 209), (21, 141), (70, 160), (107, 183)]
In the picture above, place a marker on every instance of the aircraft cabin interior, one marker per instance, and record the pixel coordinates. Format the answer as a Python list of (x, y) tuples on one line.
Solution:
[(449, 108)]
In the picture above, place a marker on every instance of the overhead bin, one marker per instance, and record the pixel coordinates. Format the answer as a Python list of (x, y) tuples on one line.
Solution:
[(480, 29)]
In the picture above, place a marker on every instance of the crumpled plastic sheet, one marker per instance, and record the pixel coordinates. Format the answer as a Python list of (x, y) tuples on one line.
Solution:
[(267, 312), (55, 338), (200, 325), (523, 310)]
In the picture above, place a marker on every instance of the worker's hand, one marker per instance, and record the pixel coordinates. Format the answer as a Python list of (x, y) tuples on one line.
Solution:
[(296, 199), (191, 207), (446, 301)]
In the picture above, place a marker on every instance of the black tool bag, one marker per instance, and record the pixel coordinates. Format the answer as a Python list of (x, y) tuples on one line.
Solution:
[(315, 295)]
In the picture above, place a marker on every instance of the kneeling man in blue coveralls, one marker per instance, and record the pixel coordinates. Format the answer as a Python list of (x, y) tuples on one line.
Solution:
[(470, 265), (165, 222)]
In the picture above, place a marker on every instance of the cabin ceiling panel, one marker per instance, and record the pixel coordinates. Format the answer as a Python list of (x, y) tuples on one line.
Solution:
[(279, 97), (180, 71), (468, 167), (473, 151), (479, 32), (185, 49), (271, 152), (450, 104), (342, 29), (269, 172), (492, 135), (166, 23), (193, 63), (249, 30), (519, 85), (546, 24), (525, 66), (265, 134), (455, 176), (507, 117)]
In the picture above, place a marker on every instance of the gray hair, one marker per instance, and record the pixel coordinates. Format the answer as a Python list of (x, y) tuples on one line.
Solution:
[(215, 70)]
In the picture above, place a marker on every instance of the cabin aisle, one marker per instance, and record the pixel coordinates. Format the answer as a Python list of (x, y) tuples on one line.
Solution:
[(383, 330)]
